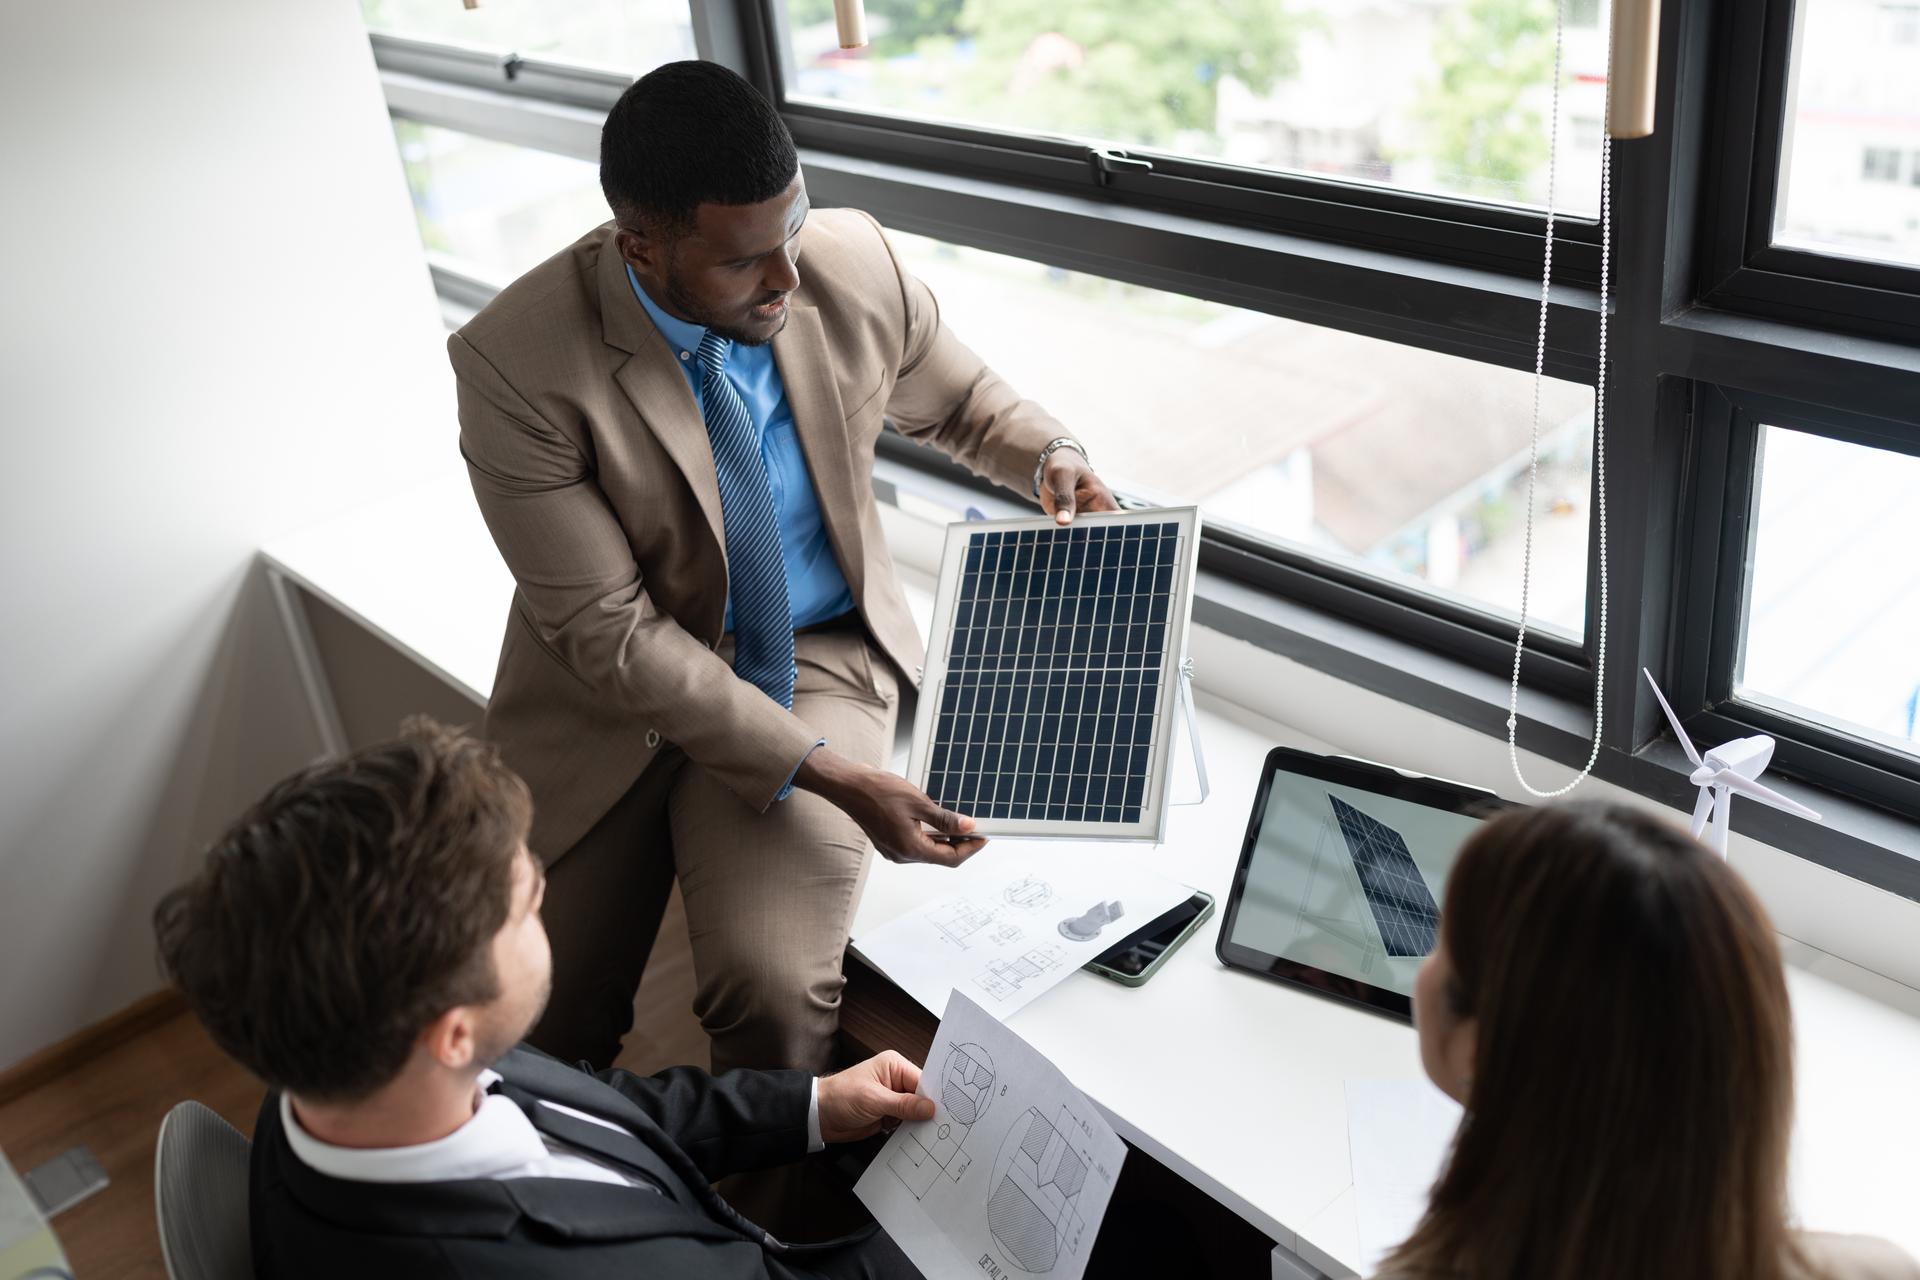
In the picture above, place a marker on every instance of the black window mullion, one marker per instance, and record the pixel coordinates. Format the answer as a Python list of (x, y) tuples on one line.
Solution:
[(733, 33), (1726, 467), (1741, 269), (1487, 316), (1735, 71), (1655, 195)]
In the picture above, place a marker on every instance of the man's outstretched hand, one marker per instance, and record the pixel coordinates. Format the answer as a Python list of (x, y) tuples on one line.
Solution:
[(904, 825), (855, 1102)]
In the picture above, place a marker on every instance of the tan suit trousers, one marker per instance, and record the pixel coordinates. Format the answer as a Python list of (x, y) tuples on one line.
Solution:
[(769, 896)]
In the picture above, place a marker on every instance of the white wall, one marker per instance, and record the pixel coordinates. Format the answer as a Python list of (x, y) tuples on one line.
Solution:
[(216, 325)]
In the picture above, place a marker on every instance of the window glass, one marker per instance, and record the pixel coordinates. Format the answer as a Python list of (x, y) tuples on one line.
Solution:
[(1833, 591), (623, 35), (1850, 158), (1410, 464), (1443, 96), (492, 209)]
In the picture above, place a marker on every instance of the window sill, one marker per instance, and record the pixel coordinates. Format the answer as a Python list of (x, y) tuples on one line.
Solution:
[(1303, 668)]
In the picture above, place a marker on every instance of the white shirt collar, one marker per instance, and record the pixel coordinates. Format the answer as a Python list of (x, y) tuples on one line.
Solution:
[(497, 1138)]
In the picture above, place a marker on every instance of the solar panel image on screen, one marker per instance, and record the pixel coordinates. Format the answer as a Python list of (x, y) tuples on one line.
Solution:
[(1060, 646), (1397, 893)]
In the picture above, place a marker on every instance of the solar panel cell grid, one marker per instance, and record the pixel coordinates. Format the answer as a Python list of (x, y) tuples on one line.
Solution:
[(1052, 688), (1395, 890)]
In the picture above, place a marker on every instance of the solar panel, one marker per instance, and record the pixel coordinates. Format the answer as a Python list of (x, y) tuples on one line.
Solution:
[(1049, 696), (1402, 904)]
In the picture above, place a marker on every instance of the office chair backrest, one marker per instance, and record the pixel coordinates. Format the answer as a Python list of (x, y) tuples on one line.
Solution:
[(200, 1196)]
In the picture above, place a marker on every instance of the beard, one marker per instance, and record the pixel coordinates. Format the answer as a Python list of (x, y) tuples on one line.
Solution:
[(509, 1026), (680, 301)]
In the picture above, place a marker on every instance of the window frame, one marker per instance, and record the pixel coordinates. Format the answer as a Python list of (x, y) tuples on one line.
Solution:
[(1742, 269), (1481, 234), (1678, 334), (1726, 471)]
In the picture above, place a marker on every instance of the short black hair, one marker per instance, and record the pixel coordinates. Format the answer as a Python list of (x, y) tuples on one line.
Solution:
[(688, 134), (348, 909)]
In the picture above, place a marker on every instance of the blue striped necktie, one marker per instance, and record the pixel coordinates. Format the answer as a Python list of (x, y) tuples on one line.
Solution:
[(756, 570)]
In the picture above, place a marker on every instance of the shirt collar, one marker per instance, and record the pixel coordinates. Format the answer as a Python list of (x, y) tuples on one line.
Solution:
[(498, 1137), (684, 335)]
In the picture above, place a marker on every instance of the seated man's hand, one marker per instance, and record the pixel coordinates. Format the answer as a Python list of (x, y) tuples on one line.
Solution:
[(854, 1102), (893, 812)]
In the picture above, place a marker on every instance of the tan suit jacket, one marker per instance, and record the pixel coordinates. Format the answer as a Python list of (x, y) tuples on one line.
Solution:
[(591, 464)]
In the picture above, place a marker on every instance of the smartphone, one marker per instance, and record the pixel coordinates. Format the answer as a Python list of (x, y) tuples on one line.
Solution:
[(1138, 956)]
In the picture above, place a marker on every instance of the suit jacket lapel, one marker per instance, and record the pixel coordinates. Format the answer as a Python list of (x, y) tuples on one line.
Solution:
[(554, 1080), (820, 424), (601, 1211), (653, 381), (476, 1208)]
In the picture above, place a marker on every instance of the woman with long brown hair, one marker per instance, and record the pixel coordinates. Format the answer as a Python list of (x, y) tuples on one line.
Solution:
[(1606, 1000)]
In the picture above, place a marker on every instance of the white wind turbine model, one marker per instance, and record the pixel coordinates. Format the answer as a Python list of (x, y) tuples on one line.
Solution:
[(1728, 768)]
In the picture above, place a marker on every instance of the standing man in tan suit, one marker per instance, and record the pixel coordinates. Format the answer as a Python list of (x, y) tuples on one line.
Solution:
[(670, 429)]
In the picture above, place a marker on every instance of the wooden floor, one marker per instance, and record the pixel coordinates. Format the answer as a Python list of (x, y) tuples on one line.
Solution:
[(112, 1105)]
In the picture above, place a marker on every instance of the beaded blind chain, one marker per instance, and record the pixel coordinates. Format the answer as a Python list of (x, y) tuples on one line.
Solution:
[(1599, 430)]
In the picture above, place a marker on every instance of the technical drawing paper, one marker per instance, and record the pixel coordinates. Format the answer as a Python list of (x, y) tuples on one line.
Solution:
[(1011, 1176), (1398, 1132), (1015, 927)]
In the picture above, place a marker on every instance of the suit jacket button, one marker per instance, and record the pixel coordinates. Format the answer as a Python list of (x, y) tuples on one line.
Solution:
[(653, 739)]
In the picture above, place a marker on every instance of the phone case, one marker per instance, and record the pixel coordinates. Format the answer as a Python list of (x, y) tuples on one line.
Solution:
[(1140, 978)]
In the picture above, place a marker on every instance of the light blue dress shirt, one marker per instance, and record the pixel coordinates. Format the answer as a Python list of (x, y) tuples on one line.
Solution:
[(816, 588)]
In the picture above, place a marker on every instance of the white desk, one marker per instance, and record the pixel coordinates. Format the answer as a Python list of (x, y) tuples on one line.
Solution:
[(1235, 1083)]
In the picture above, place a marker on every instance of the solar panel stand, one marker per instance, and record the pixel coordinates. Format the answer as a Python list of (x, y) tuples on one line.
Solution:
[(1192, 719)]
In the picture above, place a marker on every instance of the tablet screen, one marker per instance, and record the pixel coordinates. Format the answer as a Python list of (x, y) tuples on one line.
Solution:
[(1342, 875)]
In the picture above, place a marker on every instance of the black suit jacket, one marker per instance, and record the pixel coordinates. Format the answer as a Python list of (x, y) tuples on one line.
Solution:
[(697, 1127)]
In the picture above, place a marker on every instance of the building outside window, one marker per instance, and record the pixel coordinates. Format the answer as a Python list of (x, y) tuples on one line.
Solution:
[(1442, 96), (1853, 114)]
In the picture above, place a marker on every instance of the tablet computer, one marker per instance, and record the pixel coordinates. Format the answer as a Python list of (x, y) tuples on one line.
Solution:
[(1341, 875)]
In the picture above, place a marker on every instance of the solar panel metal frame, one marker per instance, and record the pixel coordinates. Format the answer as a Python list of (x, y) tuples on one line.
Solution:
[(1151, 824)]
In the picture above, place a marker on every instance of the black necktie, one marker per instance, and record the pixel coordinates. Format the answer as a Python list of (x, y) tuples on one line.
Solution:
[(621, 1149), (632, 1155)]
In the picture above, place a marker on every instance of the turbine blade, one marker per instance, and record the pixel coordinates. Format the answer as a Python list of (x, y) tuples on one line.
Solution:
[(1701, 808), (1686, 743), (1748, 787)]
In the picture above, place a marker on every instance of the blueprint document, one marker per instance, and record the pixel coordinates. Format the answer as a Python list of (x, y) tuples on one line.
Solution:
[(1011, 1176), (1016, 925), (1398, 1132)]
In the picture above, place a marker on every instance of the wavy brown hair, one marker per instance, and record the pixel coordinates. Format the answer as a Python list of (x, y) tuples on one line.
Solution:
[(347, 909), (1632, 1091)]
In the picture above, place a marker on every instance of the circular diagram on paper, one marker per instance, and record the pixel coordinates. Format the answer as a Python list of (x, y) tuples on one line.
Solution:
[(1037, 1179)]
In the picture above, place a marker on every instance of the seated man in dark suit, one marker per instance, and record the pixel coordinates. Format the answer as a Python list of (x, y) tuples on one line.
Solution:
[(367, 940)]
